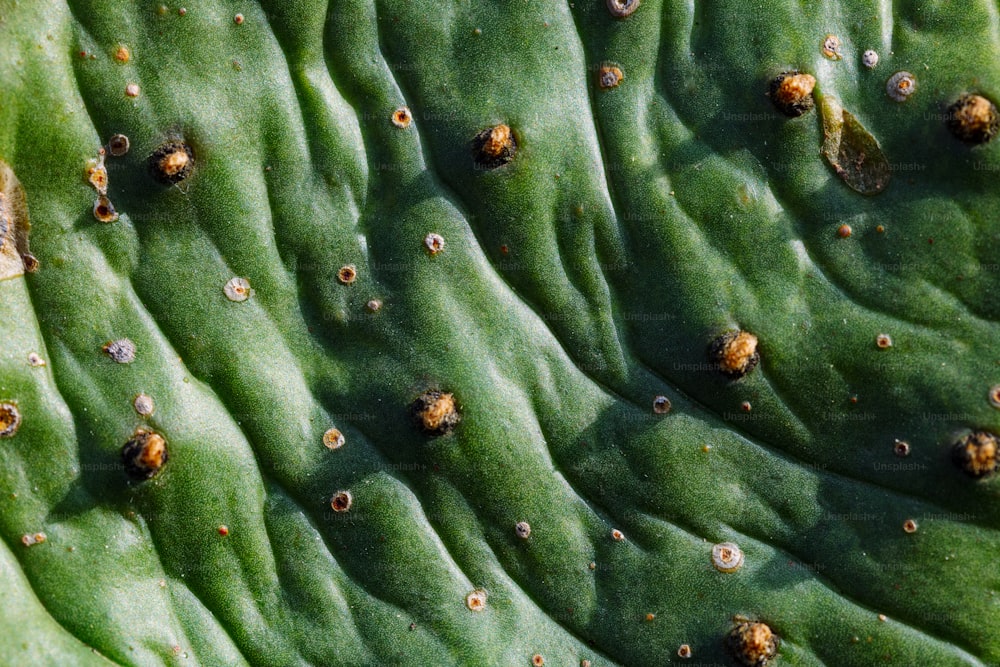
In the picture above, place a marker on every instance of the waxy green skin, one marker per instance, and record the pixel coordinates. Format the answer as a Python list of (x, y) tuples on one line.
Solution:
[(577, 283)]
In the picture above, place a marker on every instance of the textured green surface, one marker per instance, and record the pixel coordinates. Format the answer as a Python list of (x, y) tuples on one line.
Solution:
[(577, 282)]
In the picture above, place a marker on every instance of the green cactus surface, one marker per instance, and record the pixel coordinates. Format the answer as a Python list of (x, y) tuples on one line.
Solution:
[(463, 333)]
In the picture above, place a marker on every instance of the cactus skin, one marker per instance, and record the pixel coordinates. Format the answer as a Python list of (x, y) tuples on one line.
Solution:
[(639, 223)]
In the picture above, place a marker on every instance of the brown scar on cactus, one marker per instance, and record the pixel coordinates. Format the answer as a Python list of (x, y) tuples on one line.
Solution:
[(609, 76), (727, 557), (121, 351), (104, 210), (333, 439), (31, 539), (15, 258), (900, 86), (341, 501), (10, 420), (735, 353), (476, 600), (661, 405), (97, 173), (435, 413), (402, 117), (830, 47), (144, 455), (494, 147), (237, 289), (752, 643), (118, 145), (852, 150), (622, 8), (347, 274), (976, 454), (143, 405)]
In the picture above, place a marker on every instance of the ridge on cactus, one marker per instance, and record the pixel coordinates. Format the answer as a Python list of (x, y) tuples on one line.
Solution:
[(488, 333)]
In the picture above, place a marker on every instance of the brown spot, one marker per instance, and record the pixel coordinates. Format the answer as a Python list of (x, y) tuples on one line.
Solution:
[(745, 406), (844, 231), (402, 117), (661, 405), (792, 91), (143, 405), (435, 412), (609, 76), (333, 439), (476, 600), (223, 530), (900, 86), (122, 54), (237, 289), (753, 644), (976, 454), (537, 660), (347, 274), (104, 210), (994, 396), (883, 341), (121, 351), (650, 617), (341, 501), (434, 243), (973, 119), (10, 420), (684, 651), (617, 535), (910, 526), (727, 557), (172, 162), (31, 539), (494, 147), (622, 8), (30, 262), (144, 454), (238, 19), (132, 90), (118, 145), (901, 448), (830, 47), (735, 353), (97, 173)]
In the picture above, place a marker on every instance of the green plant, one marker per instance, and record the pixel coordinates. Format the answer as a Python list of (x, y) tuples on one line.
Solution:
[(428, 305)]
